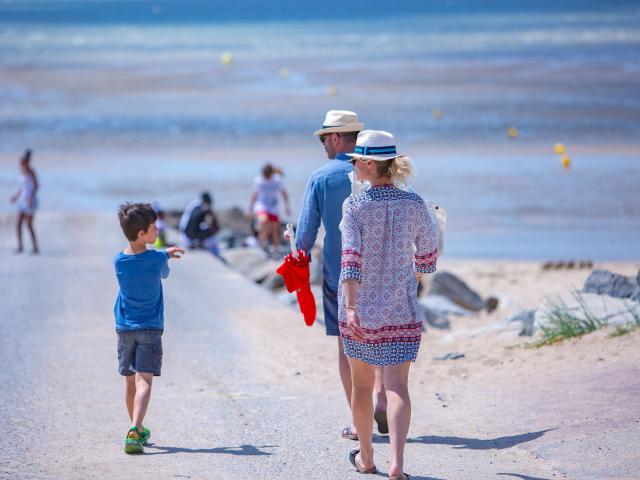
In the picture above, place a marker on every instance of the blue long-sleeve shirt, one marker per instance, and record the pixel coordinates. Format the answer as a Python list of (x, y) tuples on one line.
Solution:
[(326, 191), (139, 304)]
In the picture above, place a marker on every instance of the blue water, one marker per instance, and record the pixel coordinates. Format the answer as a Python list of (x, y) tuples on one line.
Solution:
[(105, 90)]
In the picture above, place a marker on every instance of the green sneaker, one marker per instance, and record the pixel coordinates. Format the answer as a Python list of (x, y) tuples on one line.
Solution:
[(133, 443), (145, 435)]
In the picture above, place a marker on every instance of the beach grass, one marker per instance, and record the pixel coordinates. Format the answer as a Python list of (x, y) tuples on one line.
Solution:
[(630, 327), (565, 322), (569, 322)]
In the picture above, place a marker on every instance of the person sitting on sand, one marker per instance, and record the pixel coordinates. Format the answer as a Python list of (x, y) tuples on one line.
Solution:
[(199, 225), (139, 314), (264, 206), (27, 201), (377, 304)]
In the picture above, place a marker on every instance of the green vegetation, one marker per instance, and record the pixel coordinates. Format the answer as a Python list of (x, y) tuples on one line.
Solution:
[(568, 322)]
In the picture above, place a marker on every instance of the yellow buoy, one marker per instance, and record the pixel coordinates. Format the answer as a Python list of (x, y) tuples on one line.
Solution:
[(437, 114), (559, 148), (283, 72), (332, 91), (512, 132), (226, 58), (566, 161)]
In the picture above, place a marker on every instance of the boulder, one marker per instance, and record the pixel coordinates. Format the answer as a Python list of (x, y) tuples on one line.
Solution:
[(609, 311), (608, 283), (450, 356), (432, 318), (450, 286), (315, 267), (525, 319)]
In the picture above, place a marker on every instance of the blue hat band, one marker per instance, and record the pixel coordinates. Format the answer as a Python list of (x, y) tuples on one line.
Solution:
[(376, 150)]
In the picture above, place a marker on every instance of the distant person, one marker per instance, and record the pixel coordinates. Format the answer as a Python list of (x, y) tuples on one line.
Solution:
[(199, 225), (264, 206), (161, 227), (139, 314), (27, 201), (389, 240), (325, 193)]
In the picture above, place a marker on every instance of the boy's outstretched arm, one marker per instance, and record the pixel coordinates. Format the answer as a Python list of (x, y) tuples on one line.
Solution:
[(175, 252)]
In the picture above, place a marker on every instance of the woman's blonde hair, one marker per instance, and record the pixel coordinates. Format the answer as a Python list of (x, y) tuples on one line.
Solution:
[(399, 169)]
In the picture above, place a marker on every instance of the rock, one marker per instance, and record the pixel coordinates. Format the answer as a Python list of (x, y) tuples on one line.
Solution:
[(492, 304), (443, 305), (262, 271), (433, 319), (450, 356), (612, 284), (315, 267), (273, 281), (525, 318), (450, 286), (609, 311)]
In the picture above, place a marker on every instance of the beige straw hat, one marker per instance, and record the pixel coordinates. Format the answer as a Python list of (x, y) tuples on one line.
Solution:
[(338, 121)]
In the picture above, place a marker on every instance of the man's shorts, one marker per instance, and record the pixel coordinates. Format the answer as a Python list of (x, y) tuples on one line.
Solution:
[(140, 351), (330, 306)]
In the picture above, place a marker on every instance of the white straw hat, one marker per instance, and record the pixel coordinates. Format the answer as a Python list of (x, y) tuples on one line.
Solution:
[(338, 121), (375, 145)]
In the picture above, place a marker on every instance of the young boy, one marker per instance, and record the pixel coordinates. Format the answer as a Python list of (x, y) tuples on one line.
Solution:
[(139, 313)]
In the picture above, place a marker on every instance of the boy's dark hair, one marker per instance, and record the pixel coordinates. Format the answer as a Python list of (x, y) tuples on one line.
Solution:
[(135, 217)]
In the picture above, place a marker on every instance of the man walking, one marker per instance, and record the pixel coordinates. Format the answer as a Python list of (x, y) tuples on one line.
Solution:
[(326, 191)]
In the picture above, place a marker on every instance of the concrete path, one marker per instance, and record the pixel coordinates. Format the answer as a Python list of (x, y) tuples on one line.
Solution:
[(236, 400)]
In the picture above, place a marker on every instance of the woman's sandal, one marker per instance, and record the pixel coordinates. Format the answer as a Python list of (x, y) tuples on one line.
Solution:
[(347, 432), (360, 469), (404, 476)]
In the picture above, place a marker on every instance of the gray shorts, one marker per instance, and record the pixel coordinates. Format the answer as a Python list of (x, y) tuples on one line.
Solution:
[(140, 351)]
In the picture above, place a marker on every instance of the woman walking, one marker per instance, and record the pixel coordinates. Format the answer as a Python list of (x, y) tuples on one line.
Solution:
[(264, 206), (388, 241), (27, 200)]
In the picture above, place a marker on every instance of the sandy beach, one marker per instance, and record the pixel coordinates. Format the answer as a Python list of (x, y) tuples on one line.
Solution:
[(521, 119), (248, 391)]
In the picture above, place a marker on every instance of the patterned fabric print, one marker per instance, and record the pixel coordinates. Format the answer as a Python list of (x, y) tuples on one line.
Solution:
[(384, 354), (350, 267), (380, 230)]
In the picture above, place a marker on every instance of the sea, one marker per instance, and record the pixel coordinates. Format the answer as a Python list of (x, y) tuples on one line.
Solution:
[(159, 100)]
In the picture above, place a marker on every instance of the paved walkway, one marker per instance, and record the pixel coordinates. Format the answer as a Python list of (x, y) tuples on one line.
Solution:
[(214, 413)]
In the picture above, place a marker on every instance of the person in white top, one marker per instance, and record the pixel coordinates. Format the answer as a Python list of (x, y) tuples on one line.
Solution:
[(26, 200), (264, 205)]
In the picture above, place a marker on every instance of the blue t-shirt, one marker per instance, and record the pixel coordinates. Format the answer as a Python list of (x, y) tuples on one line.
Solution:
[(139, 303)]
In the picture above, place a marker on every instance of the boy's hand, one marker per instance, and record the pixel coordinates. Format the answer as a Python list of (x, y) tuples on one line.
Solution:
[(175, 252)]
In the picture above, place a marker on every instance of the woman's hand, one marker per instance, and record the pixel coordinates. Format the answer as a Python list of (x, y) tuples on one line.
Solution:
[(419, 276), (175, 252), (14, 198), (353, 323)]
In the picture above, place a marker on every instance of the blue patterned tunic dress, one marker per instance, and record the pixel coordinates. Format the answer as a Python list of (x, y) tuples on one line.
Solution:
[(387, 235)]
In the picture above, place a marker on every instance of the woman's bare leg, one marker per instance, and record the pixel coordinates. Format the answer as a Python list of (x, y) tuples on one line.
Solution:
[(396, 379), (19, 221), (34, 241), (362, 379), (275, 236)]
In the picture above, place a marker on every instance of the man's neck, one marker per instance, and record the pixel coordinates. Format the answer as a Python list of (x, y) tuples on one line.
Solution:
[(135, 247)]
